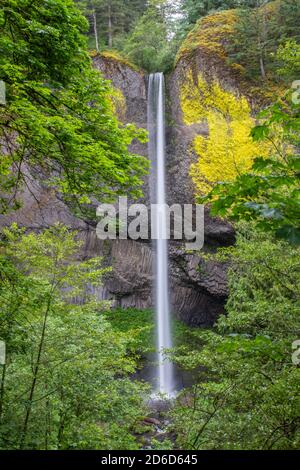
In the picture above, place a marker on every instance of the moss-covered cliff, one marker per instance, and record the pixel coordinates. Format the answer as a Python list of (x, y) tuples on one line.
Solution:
[(215, 104)]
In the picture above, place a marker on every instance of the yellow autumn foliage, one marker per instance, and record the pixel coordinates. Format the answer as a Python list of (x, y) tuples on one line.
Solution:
[(193, 99), (119, 104), (228, 150), (227, 153)]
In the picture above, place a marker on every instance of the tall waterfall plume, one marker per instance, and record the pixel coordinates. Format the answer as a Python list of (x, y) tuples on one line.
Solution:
[(156, 127)]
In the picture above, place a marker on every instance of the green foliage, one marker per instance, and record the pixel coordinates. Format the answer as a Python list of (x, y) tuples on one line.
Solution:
[(59, 116), (71, 368), (269, 194), (148, 45), (138, 326), (111, 20), (288, 55), (193, 10), (289, 12), (68, 378), (247, 395), (258, 34)]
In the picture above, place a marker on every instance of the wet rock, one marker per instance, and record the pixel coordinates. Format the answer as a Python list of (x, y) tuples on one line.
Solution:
[(152, 422)]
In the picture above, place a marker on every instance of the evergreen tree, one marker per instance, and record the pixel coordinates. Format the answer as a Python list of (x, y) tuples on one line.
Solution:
[(111, 19), (260, 31), (254, 41), (193, 10), (149, 45), (289, 20)]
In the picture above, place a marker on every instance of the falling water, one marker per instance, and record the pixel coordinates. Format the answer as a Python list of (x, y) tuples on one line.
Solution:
[(156, 124)]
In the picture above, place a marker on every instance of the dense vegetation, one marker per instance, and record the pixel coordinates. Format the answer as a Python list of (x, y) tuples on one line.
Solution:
[(150, 32), (50, 86), (69, 377), (71, 368), (258, 34), (247, 395), (269, 194)]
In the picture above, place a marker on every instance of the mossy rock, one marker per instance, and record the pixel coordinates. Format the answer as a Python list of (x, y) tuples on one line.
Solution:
[(115, 56)]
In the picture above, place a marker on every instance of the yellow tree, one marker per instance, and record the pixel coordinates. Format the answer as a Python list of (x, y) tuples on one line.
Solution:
[(228, 150)]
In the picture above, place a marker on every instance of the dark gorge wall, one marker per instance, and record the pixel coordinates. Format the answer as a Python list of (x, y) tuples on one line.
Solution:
[(198, 287)]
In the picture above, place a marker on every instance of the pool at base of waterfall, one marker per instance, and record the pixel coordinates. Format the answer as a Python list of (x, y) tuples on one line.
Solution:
[(148, 373)]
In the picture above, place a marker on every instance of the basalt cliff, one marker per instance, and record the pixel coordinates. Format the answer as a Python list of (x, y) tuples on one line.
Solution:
[(201, 85)]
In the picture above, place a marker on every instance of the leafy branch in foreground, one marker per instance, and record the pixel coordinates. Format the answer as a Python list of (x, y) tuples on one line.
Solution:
[(59, 117)]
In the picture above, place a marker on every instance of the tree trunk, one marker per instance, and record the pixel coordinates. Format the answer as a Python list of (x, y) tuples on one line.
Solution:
[(61, 430), (35, 374), (263, 40), (2, 389), (110, 32), (95, 30), (262, 67)]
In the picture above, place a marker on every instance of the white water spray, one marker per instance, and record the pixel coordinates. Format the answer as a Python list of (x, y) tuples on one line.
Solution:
[(156, 124)]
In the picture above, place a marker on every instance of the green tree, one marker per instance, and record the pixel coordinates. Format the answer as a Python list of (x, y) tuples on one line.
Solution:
[(288, 18), (89, 9), (258, 34), (288, 56), (246, 396), (59, 116), (254, 39), (66, 380), (193, 10), (149, 45), (111, 20)]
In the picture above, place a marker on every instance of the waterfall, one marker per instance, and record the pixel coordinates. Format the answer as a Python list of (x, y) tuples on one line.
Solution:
[(156, 126)]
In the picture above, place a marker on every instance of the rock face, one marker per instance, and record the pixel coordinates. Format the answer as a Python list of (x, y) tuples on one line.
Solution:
[(131, 83), (198, 288)]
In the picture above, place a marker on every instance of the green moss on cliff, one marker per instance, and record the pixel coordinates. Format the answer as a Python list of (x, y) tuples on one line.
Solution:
[(210, 35), (115, 56)]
